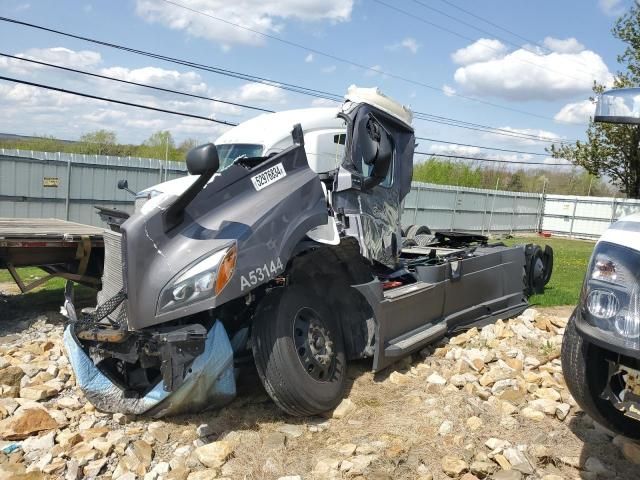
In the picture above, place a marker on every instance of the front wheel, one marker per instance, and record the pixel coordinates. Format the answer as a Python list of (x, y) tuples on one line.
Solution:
[(299, 351), (585, 370)]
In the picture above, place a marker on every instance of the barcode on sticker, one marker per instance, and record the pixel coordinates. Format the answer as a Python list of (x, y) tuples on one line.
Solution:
[(269, 176)]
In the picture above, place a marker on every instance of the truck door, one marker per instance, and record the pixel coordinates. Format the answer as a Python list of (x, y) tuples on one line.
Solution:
[(373, 180)]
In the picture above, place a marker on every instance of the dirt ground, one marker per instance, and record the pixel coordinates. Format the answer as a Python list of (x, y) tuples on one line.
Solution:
[(430, 416)]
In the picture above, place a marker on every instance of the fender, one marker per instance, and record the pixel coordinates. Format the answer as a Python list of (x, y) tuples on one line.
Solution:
[(265, 222)]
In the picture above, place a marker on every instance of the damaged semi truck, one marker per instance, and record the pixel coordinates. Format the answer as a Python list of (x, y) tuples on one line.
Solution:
[(284, 245)]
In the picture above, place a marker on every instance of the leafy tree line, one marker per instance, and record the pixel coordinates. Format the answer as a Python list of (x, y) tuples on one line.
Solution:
[(159, 145), (568, 181)]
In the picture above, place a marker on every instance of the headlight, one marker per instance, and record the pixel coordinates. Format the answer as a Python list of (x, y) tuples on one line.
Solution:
[(611, 295), (204, 279), (602, 304)]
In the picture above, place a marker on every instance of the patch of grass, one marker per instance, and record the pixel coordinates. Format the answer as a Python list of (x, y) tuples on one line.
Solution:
[(49, 295), (570, 264)]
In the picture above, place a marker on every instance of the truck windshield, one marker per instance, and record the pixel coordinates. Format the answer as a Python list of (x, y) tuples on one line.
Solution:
[(230, 152)]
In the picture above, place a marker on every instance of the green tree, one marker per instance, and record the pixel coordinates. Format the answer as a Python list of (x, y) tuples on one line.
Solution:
[(611, 150), (100, 142)]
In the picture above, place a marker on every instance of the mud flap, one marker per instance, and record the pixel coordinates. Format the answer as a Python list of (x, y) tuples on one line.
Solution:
[(209, 383)]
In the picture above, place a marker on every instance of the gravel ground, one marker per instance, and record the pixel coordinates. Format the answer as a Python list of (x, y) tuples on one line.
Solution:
[(487, 403)]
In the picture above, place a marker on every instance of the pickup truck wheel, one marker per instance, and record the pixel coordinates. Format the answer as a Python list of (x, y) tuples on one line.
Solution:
[(299, 351), (585, 371)]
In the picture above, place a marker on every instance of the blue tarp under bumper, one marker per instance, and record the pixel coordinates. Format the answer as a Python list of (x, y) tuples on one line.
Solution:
[(209, 383)]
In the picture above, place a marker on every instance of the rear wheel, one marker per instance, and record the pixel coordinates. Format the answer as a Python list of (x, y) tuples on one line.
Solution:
[(585, 371), (299, 351)]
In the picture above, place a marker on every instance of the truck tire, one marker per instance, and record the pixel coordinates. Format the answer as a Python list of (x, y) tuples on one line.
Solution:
[(414, 230), (585, 371), (299, 351)]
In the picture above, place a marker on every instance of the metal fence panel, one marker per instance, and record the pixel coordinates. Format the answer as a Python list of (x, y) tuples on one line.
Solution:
[(68, 186), (584, 216), (444, 207)]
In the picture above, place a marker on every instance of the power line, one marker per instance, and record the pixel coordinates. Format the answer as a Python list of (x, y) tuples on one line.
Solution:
[(351, 62), (208, 68), (486, 129), (494, 160), (481, 30), (453, 32), (483, 148), (112, 100), (144, 85), (277, 84), (203, 97), (183, 114), (488, 21)]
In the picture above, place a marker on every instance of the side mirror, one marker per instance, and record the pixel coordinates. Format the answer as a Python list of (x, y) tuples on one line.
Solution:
[(203, 159), (377, 151), (124, 185)]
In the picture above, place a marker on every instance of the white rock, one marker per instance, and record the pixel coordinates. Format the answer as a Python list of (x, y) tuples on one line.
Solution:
[(531, 362), (530, 314), (562, 410), (461, 379), (291, 431), (445, 428), (38, 444), (345, 408), (502, 385), (436, 379), (496, 445)]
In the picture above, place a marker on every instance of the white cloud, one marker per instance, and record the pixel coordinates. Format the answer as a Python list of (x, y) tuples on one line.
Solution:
[(526, 75), (611, 7), (324, 102), (448, 90), (259, 92), (265, 16), (480, 51), (579, 112), (373, 71), (309, 58), (329, 69), (568, 45), (409, 43), (104, 114), (159, 77), (63, 56), (464, 151), (515, 140), (29, 110)]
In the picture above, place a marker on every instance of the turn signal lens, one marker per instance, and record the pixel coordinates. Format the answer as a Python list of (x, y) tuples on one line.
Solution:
[(602, 304), (604, 270), (226, 269)]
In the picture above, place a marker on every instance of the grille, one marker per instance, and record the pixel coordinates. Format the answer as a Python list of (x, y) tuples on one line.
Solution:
[(112, 277)]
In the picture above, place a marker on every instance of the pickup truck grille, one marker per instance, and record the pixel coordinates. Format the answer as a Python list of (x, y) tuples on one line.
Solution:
[(113, 274)]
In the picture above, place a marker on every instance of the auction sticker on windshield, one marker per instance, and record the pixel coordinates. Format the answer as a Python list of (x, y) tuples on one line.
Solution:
[(269, 176)]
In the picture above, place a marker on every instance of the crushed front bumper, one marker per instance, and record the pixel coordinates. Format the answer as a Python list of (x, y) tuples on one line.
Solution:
[(208, 383)]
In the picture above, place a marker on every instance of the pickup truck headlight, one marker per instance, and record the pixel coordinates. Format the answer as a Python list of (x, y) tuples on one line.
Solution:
[(611, 293), (204, 279)]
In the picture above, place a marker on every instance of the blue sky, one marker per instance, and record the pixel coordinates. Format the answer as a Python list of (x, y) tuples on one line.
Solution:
[(549, 78)]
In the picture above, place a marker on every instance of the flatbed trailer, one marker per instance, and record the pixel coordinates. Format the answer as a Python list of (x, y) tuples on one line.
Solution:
[(61, 248)]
